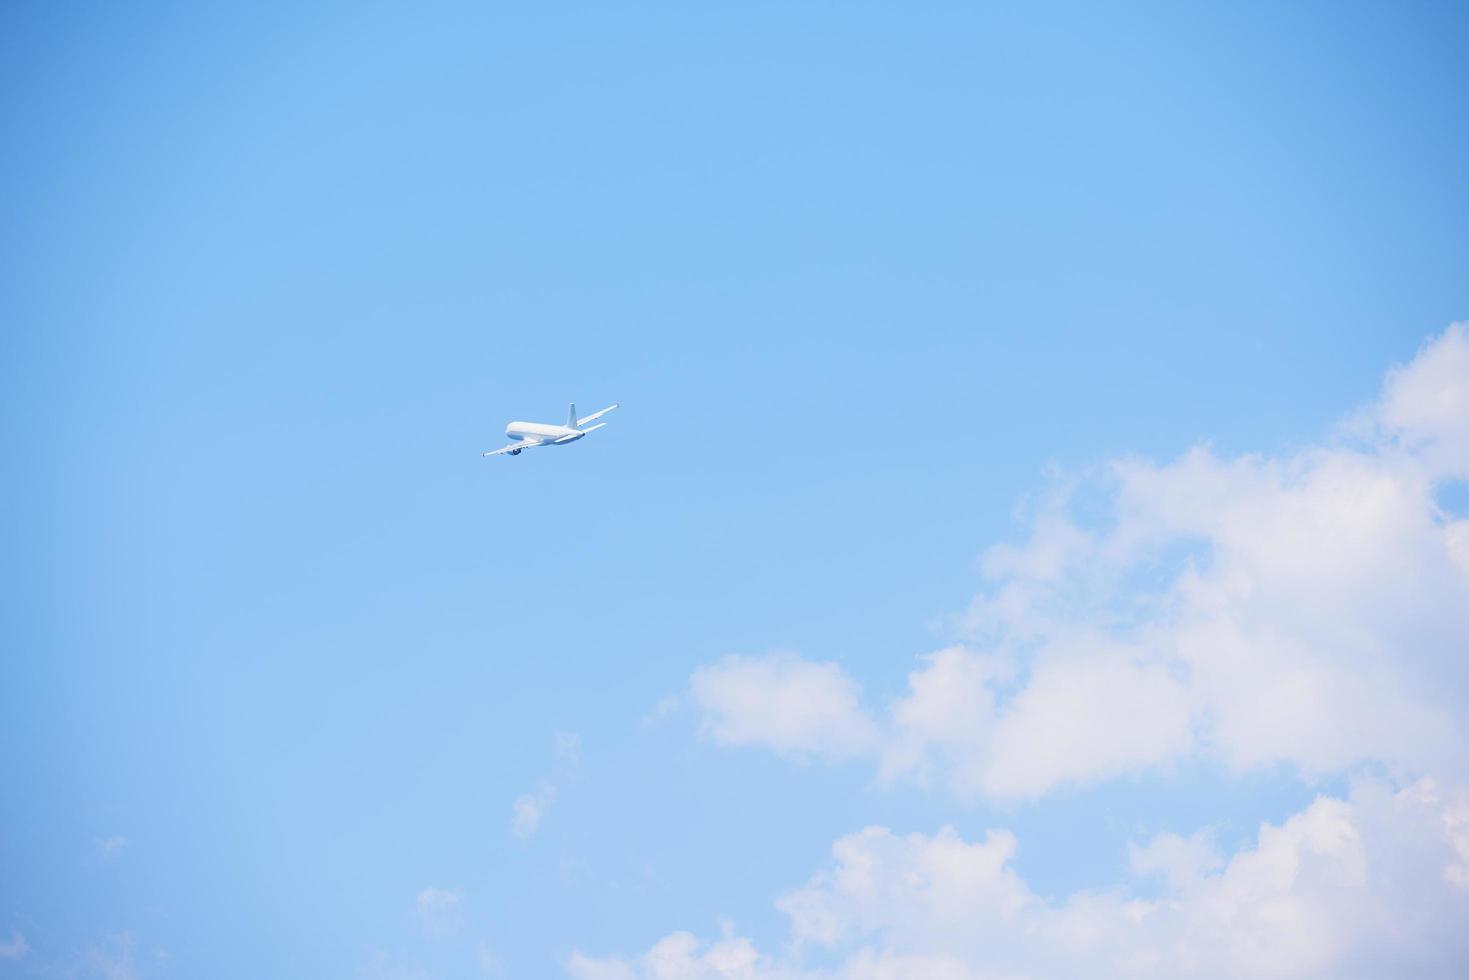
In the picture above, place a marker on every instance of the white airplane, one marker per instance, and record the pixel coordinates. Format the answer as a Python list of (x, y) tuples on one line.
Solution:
[(528, 434)]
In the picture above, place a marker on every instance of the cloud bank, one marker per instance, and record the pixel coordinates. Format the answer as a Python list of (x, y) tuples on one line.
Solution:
[(1310, 608), (1373, 884)]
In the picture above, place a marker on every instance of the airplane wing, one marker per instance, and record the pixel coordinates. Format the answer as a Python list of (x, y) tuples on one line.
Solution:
[(514, 447), (594, 416), (573, 437)]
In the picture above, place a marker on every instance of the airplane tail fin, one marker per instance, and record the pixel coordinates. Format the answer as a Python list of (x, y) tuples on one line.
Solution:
[(571, 416)]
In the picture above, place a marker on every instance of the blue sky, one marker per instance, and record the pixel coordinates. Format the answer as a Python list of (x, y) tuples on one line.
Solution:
[(281, 652)]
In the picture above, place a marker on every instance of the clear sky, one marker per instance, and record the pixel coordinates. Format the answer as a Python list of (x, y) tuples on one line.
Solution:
[(1054, 337)]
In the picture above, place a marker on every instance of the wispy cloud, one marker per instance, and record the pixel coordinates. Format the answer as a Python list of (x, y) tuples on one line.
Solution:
[(384, 965), (14, 948), (568, 747), (528, 808), (112, 959), (439, 912), (487, 961), (113, 844)]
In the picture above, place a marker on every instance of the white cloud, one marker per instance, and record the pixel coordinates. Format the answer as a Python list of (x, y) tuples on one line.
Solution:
[(14, 948), (870, 965), (681, 956), (1182, 861), (1086, 714), (930, 894), (784, 703), (1309, 608), (113, 844), (584, 967), (948, 713), (1426, 404), (439, 912), (1346, 888)]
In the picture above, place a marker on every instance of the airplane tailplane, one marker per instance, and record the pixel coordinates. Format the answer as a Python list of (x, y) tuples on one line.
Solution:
[(571, 416)]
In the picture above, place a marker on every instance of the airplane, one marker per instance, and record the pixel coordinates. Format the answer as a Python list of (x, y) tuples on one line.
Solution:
[(528, 434)]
